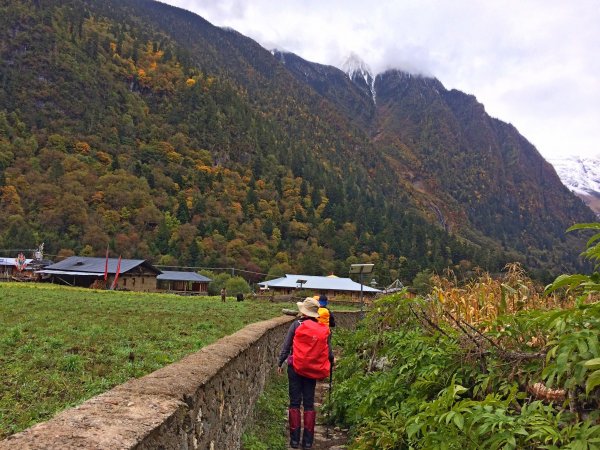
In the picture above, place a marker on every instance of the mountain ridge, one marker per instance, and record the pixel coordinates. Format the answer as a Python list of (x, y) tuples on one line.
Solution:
[(511, 151), (360, 73), (239, 155)]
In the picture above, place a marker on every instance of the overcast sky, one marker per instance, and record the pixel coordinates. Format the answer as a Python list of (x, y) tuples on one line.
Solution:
[(533, 63)]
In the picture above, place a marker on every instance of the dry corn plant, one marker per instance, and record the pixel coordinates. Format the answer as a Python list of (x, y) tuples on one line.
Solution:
[(485, 298)]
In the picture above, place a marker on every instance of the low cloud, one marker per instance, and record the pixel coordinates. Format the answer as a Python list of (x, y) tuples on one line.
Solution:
[(529, 63)]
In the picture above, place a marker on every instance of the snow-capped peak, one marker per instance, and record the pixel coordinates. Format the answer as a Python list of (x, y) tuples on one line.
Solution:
[(582, 176), (357, 69), (355, 65)]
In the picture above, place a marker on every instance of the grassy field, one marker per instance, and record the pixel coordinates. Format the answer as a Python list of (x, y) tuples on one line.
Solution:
[(60, 346), (268, 430)]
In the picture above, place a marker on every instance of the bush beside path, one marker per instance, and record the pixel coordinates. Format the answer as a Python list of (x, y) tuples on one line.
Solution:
[(327, 437)]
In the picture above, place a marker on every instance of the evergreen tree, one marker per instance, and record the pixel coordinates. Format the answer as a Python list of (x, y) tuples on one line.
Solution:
[(183, 212)]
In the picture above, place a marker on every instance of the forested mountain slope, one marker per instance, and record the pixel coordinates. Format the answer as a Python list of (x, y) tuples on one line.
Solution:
[(142, 126), (499, 181)]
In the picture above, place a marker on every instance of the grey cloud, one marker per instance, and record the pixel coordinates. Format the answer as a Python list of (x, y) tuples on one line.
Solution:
[(215, 11), (534, 64)]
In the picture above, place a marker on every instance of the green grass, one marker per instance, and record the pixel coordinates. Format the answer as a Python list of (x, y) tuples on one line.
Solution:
[(268, 430), (60, 346)]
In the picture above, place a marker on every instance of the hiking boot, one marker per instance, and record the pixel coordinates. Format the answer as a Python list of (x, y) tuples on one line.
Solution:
[(309, 429), (294, 421)]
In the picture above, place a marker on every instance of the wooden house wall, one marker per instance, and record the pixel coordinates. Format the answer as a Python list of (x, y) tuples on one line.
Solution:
[(182, 286), (8, 272), (140, 282), (331, 294)]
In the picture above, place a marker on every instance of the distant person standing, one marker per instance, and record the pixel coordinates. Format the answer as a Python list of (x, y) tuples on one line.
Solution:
[(223, 294), (309, 358), (325, 314)]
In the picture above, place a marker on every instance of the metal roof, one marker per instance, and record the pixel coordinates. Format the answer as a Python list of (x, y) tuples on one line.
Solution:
[(67, 272), (12, 261), (84, 264), (182, 276), (316, 282), (396, 286)]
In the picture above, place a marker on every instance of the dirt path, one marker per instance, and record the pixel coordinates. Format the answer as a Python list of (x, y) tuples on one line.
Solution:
[(331, 437)]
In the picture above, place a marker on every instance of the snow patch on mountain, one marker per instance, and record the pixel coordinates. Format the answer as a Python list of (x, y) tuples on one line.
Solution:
[(582, 176), (357, 69)]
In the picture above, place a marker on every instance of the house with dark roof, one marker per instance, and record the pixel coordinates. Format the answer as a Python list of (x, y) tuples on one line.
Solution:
[(187, 283), (83, 271)]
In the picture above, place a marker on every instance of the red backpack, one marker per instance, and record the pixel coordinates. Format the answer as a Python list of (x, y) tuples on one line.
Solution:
[(311, 351)]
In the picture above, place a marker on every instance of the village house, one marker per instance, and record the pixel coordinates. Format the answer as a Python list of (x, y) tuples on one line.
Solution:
[(133, 274), (331, 286), (9, 270), (187, 283)]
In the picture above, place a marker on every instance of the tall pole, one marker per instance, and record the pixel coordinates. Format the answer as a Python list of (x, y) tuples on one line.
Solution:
[(362, 313), (361, 269)]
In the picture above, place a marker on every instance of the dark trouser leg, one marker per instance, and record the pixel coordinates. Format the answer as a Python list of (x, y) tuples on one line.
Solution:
[(294, 387), (308, 397), (295, 392), (302, 391), (308, 393)]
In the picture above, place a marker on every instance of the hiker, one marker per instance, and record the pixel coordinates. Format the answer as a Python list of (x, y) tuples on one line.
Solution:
[(325, 315), (223, 294), (309, 356)]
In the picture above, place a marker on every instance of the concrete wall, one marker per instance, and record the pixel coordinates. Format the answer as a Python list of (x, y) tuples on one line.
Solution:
[(200, 402)]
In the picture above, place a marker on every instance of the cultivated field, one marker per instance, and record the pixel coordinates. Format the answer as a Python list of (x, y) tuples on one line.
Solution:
[(60, 346)]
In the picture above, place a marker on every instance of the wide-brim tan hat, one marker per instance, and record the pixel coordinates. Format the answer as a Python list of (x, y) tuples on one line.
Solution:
[(309, 307)]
